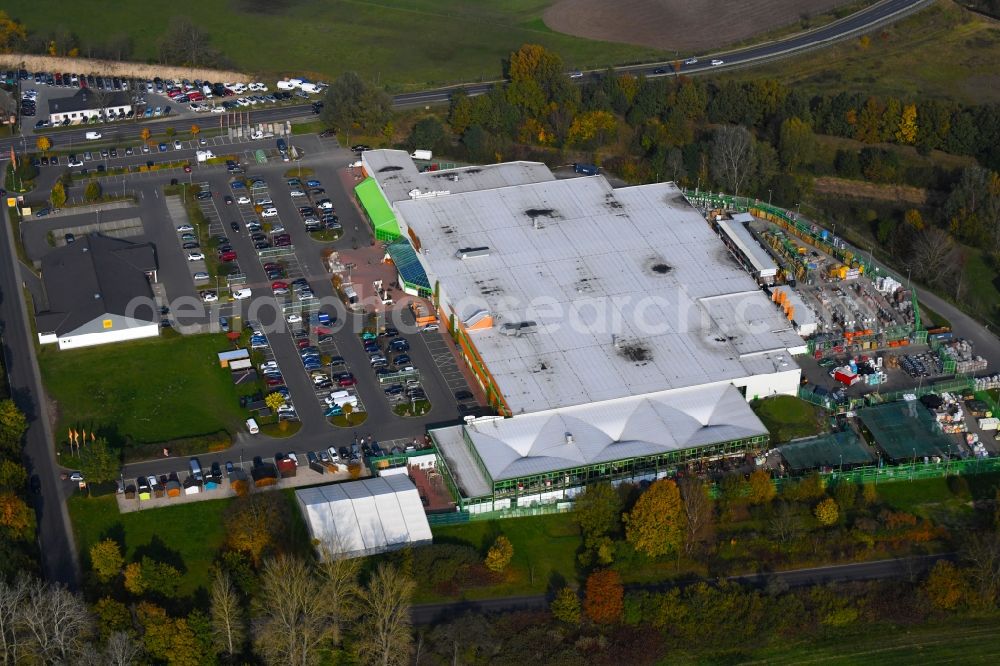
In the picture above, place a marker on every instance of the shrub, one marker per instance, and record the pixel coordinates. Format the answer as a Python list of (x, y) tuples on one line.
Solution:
[(827, 512)]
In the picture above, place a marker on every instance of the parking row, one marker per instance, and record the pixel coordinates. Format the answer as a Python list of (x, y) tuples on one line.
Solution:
[(270, 371), (388, 354)]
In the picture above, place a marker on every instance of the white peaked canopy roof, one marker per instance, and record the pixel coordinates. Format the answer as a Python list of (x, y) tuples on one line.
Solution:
[(365, 517), (613, 430)]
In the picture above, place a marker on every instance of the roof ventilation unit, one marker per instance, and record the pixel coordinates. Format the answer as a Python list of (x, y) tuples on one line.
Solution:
[(472, 252), (518, 329)]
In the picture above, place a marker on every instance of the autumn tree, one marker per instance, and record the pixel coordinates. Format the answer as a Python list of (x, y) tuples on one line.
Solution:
[(255, 524), (565, 606), (732, 156), (57, 197), (907, 131), (112, 615), (274, 401), (603, 601), (762, 490), (699, 513), (292, 616), (536, 78), (827, 512), (946, 587), (134, 583), (168, 639), (145, 134), (99, 463), (385, 604), (427, 133), (43, 143), (785, 523), (655, 526), (499, 555), (194, 131), (12, 33), (592, 128), (17, 519), (228, 615), (106, 560), (13, 424)]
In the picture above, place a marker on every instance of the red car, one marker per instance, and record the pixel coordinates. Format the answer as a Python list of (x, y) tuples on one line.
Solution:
[(302, 344), (279, 284), (271, 266), (187, 168), (275, 381), (345, 381), (227, 256)]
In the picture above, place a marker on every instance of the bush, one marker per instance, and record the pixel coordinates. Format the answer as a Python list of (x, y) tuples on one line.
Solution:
[(216, 441), (441, 562), (92, 191)]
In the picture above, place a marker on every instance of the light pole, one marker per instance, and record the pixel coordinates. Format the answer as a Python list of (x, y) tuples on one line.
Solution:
[(769, 198)]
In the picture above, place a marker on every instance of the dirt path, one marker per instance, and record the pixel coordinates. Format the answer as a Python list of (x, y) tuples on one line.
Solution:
[(683, 25), (856, 189)]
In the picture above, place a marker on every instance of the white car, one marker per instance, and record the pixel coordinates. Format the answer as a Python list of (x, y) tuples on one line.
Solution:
[(268, 364), (293, 319), (196, 256), (428, 328), (218, 109), (297, 193), (277, 228), (240, 294), (209, 296), (576, 75), (691, 61), (716, 62), (177, 145), (76, 476), (269, 212), (243, 199), (326, 204), (264, 202), (185, 227)]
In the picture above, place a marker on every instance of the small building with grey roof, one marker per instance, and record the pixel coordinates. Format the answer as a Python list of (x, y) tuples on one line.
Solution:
[(97, 291)]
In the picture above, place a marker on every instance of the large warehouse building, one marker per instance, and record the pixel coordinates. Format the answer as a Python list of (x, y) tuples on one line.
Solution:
[(611, 326)]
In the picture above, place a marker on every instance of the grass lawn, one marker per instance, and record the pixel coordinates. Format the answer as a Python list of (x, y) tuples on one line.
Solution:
[(943, 52), (188, 534), (544, 551), (398, 42), (311, 127), (787, 417), (953, 640), (148, 390)]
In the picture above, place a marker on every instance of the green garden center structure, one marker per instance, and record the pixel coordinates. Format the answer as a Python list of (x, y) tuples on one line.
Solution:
[(377, 209)]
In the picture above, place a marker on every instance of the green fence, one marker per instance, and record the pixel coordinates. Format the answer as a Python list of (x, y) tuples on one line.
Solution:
[(905, 472), (458, 517)]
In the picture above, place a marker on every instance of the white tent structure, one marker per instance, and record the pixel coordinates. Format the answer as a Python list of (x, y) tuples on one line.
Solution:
[(365, 517)]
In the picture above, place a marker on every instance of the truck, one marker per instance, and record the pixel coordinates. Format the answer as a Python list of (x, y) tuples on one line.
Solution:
[(422, 155), (204, 155)]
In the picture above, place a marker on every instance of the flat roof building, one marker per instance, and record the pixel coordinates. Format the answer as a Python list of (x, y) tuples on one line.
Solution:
[(748, 251), (97, 291), (580, 308), (87, 105)]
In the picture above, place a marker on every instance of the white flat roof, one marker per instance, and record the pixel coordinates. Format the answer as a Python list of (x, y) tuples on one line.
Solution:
[(632, 292), (398, 176), (601, 432), (741, 237)]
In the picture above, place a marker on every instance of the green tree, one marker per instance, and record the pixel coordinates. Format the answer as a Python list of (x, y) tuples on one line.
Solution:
[(13, 424), (565, 606), (846, 494), (655, 526), (106, 560), (58, 195), (426, 134), (159, 577), (499, 555), (460, 112), (99, 463), (796, 143), (351, 103), (827, 512), (112, 615), (13, 476), (92, 191), (598, 510), (134, 583), (170, 131)]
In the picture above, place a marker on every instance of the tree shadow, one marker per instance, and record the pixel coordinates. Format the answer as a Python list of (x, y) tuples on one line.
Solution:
[(158, 550), (557, 581), (117, 534)]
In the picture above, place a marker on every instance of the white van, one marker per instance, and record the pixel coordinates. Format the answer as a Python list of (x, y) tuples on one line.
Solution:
[(285, 85), (93, 135), (310, 88), (252, 427)]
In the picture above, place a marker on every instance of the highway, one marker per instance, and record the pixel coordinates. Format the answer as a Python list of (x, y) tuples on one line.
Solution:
[(862, 21), (834, 573)]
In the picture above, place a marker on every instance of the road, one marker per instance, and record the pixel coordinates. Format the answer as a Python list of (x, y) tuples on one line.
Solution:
[(54, 531), (834, 573), (876, 15)]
